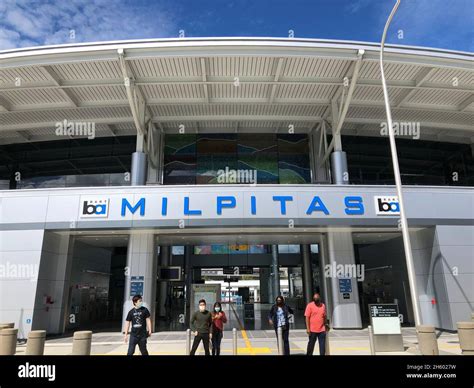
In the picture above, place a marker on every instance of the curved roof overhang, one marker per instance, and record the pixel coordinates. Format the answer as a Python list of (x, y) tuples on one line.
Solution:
[(233, 85)]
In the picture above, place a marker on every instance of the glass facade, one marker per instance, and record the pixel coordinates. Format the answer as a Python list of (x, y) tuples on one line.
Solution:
[(421, 162), (236, 158), (244, 158), (67, 163), (231, 249)]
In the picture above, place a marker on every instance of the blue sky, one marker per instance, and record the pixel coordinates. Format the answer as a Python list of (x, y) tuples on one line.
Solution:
[(434, 23)]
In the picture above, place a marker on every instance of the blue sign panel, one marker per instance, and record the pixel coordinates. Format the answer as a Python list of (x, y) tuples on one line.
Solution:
[(345, 285), (136, 285)]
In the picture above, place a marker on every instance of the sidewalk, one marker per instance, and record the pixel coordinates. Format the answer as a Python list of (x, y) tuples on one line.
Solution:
[(251, 342)]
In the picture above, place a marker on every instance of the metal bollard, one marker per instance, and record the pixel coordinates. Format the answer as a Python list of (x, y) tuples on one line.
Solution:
[(35, 344), (326, 347), (234, 341), (81, 344), (8, 339), (280, 341), (188, 342), (371, 340), (466, 337), (427, 341)]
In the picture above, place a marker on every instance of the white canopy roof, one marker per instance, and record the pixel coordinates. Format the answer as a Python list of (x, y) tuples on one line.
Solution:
[(233, 85)]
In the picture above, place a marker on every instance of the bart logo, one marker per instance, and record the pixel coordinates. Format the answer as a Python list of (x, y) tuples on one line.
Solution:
[(94, 207), (387, 206)]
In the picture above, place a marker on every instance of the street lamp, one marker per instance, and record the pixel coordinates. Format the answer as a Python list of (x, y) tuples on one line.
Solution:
[(398, 181)]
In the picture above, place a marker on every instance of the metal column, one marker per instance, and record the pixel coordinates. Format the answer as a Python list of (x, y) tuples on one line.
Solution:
[(323, 261), (340, 175), (188, 280), (165, 251), (139, 162), (275, 275), (307, 272)]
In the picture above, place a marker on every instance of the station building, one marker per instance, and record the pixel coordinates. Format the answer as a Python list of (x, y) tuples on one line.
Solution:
[(260, 166)]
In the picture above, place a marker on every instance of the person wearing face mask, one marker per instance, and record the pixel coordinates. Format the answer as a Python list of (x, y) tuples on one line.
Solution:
[(201, 326), (218, 320), (315, 315), (279, 316), (139, 319)]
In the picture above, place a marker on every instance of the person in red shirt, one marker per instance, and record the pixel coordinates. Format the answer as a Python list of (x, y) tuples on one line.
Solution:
[(218, 320), (315, 315)]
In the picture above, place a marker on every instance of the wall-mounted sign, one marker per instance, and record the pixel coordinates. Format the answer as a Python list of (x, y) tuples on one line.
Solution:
[(169, 273), (238, 270), (136, 285), (345, 286)]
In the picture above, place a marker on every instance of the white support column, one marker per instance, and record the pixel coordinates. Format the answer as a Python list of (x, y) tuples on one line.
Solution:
[(335, 119), (21, 247), (156, 147), (54, 280), (346, 308), (317, 148), (325, 287), (141, 262), (143, 119), (341, 115)]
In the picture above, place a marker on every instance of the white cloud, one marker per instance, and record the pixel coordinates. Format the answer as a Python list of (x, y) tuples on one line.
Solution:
[(445, 21), (434, 23), (35, 22), (9, 38), (355, 5)]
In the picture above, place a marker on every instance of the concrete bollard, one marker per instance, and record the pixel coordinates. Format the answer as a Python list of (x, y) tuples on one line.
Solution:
[(5, 326), (427, 341), (35, 344), (466, 337), (8, 339), (234, 341), (280, 341), (188, 342), (81, 344)]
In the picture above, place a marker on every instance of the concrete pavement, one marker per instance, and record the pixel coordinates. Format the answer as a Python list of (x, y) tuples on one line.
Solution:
[(250, 342)]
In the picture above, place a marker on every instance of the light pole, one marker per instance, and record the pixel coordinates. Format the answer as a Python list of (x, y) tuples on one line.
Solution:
[(398, 181)]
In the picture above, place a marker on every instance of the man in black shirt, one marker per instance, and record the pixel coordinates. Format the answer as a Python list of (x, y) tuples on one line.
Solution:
[(139, 319)]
